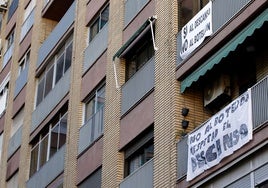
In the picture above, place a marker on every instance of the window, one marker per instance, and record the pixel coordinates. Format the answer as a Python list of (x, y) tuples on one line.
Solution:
[(48, 142), (3, 94), (93, 113), (143, 155), (139, 56), (99, 22), (95, 103), (55, 70), (17, 122), (9, 47), (24, 61), (93, 180), (28, 19), (10, 39), (28, 9), (140, 152), (188, 8)]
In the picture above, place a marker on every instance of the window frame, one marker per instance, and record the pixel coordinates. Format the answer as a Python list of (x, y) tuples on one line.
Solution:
[(140, 154), (98, 92), (53, 62), (134, 56), (137, 148), (196, 6), (24, 61), (4, 91), (98, 20), (46, 134), (10, 39)]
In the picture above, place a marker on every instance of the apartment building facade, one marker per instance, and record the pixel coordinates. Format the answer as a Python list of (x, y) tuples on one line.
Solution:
[(100, 93)]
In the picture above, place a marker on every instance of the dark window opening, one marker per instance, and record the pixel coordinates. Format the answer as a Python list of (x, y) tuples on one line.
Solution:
[(139, 151), (142, 52)]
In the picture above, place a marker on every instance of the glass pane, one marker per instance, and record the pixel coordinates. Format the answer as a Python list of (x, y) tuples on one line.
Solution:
[(131, 69), (100, 97), (142, 58), (34, 159), (104, 17), (90, 109), (63, 131), (40, 91), (27, 58), (135, 163), (94, 29), (43, 151), (186, 12), (59, 70), (54, 140), (148, 153), (49, 80), (68, 58)]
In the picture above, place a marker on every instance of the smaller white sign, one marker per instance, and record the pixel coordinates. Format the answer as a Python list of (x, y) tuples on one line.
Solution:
[(196, 30)]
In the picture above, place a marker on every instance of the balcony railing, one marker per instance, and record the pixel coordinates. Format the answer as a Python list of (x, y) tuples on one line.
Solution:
[(138, 86), (259, 117), (21, 81), (55, 9), (91, 130), (8, 55), (14, 142), (49, 171), (13, 7), (132, 8), (96, 47), (52, 99), (222, 12), (142, 177), (27, 25), (56, 35)]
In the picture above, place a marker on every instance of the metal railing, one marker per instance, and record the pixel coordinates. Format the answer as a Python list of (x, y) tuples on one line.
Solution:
[(259, 93), (91, 130)]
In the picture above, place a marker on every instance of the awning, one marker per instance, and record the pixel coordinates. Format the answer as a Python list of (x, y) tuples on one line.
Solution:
[(225, 50), (133, 37)]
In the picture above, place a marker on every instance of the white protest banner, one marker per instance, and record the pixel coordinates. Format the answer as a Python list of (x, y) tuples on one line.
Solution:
[(195, 31), (220, 136)]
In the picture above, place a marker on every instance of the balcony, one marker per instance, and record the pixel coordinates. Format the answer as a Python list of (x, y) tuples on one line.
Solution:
[(8, 55), (52, 169), (21, 81), (222, 11), (96, 48), (52, 99), (138, 86), (14, 142), (27, 25), (56, 35), (91, 130), (142, 177), (12, 8), (55, 9), (132, 8), (259, 117)]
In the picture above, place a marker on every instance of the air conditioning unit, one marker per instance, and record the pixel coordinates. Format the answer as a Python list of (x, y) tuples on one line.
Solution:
[(217, 92)]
